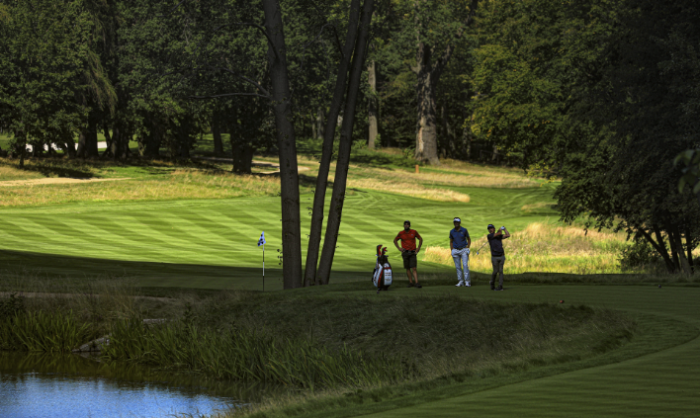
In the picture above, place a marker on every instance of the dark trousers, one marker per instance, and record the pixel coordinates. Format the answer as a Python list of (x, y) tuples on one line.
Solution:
[(497, 263)]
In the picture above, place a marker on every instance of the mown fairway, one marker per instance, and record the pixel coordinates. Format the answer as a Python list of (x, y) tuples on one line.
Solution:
[(656, 375), (224, 232)]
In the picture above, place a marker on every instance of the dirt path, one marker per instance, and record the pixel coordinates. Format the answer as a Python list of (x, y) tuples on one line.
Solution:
[(54, 180)]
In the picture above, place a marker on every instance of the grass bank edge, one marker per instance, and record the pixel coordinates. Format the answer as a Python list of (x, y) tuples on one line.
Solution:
[(167, 346), (656, 333)]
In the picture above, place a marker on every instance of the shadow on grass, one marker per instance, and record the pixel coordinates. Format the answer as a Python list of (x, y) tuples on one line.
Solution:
[(52, 272), (27, 271), (59, 171)]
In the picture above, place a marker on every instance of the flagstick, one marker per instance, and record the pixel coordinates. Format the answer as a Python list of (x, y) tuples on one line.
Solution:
[(263, 268)]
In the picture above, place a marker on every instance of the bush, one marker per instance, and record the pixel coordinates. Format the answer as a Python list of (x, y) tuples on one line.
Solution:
[(11, 307), (640, 255)]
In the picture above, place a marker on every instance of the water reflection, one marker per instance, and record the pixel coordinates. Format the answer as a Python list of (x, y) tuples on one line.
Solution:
[(34, 396), (61, 386)]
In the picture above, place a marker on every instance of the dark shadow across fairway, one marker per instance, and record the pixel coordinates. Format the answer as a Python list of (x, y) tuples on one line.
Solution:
[(146, 274), (56, 272)]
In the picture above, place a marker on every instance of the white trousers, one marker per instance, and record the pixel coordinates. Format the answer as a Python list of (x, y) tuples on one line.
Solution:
[(461, 258)]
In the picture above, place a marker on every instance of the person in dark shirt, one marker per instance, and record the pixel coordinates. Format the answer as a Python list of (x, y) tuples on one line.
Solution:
[(498, 256)]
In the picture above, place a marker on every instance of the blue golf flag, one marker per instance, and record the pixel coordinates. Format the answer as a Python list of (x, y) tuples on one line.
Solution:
[(261, 241)]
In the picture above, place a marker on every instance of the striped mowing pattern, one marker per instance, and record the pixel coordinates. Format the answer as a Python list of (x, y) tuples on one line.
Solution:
[(661, 384), (225, 232)]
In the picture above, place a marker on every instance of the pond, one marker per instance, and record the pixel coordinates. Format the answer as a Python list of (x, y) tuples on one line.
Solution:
[(45, 386)]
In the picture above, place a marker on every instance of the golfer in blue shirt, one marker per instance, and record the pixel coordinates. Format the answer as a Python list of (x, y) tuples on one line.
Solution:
[(459, 244)]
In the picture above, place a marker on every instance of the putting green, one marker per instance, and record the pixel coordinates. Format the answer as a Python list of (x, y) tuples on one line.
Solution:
[(225, 232), (659, 384)]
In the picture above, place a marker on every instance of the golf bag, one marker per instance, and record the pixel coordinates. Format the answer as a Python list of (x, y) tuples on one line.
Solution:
[(383, 274)]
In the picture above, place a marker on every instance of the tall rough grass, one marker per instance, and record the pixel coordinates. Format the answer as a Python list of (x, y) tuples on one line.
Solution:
[(472, 176), (248, 356), (547, 248), (45, 332)]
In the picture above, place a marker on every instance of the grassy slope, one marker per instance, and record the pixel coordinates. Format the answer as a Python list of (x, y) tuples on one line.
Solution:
[(662, 382), (101, 221), (224, 232)]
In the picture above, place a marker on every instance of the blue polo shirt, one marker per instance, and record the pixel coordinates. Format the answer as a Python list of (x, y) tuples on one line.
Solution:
[(459, 237)]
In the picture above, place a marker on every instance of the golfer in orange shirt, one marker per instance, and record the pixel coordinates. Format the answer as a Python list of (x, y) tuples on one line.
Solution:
[(409, 251)]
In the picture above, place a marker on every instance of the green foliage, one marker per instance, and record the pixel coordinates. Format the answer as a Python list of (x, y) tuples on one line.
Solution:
[(639, 255), (47, 63), (691, 171), (11, 307), (596, 90)]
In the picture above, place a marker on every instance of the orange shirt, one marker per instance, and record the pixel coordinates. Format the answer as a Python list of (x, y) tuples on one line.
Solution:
[(408, 239)]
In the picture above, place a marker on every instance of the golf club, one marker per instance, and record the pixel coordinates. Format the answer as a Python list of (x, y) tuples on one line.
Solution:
[(477, 251)]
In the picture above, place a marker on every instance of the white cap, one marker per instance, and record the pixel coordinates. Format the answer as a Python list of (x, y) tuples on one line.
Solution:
[(457, 220)]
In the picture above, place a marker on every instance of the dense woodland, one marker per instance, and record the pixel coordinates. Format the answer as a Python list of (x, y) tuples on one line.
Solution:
[(603, 94)]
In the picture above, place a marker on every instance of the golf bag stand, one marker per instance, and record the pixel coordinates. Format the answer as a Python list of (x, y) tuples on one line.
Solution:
[(383, 274)]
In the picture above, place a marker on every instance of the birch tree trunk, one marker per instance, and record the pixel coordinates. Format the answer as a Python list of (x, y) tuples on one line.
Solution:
[(328, 136), (286, 142), (372, 110), (341, 171)]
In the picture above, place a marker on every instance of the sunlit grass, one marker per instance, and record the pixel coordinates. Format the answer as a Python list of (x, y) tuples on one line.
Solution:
[(9, 173), (492, 179), (547, 248), (412, 189), (179, 184)]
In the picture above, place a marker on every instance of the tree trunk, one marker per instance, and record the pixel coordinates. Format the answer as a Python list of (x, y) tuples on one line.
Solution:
[(327, 152), (87, 144), (678, 243), (242, 157), (116, 142), (110, 142), (661, 248), (341, 172), (468, 138), (428, 75), (286, 142), (689, 249), (314, 128), (149, 145), (216, 133), (674, 251), (320, 123), (184, 138), (372, 108), (23, 149), (426, 128)]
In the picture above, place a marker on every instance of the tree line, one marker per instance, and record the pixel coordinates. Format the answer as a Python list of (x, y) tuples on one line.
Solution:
[(601, 93)]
